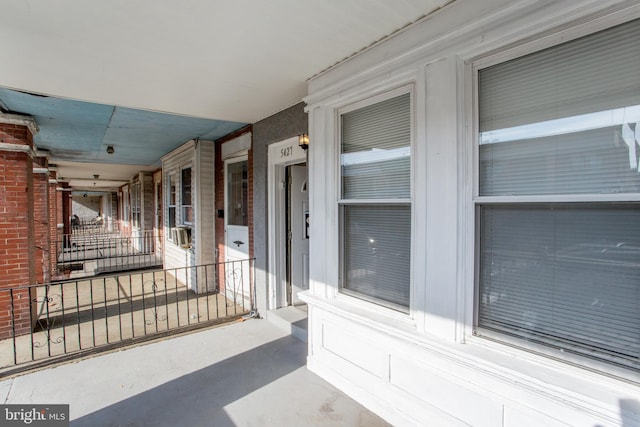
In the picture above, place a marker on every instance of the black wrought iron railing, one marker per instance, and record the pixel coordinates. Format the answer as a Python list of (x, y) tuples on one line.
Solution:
[(107, 252), (96, 225), (41, 323)]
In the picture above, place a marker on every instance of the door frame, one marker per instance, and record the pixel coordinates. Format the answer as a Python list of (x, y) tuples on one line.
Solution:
[(281, 155), (226, 162)]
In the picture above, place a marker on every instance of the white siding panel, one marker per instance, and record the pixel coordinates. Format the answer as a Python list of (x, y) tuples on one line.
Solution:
[(205, 202), (440, 391), (175, 256), (363, 353)]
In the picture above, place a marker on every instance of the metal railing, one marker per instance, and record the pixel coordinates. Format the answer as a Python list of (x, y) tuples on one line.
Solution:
[(62, 320), (96, 225), (108, 251)]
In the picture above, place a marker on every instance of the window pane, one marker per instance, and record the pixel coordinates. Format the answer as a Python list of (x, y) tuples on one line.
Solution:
[(564, 120), (172, 190), (186, 187), (237, 193), (375, 151), (564, 275), (377, 243), (172, 218)]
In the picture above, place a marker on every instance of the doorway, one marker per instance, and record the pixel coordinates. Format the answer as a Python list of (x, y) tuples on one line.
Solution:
[(236, 269), (288, 223), (297, 212)]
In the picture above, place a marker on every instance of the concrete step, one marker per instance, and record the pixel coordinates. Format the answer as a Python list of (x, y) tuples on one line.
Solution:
[(292, 319)]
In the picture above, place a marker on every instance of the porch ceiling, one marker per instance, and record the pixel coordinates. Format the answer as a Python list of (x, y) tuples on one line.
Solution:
[(146, 76)]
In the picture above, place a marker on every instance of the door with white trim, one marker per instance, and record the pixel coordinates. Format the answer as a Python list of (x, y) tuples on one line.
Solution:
[(236, 182), (298, 233)]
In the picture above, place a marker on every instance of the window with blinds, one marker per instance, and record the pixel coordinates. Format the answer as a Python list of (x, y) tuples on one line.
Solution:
[(563, 121), (375, 204)]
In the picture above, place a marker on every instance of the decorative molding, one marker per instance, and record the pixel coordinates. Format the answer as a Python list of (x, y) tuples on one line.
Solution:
[(43, 153), (184, 147), (17, 148), (15, 119), (237, 146)]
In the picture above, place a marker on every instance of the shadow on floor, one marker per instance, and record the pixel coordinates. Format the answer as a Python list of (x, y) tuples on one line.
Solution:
[(200, 398)]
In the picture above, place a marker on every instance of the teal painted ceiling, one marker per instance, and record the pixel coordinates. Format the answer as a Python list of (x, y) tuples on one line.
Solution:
[(81, 131)]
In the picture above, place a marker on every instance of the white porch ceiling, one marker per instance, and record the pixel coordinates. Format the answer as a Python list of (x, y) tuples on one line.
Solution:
[(145, 76), (234, 60)]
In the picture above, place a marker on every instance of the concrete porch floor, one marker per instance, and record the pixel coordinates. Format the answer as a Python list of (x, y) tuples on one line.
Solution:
[(249, 373)]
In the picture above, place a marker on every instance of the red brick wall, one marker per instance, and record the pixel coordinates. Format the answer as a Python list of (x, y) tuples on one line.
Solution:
[(17, 237)]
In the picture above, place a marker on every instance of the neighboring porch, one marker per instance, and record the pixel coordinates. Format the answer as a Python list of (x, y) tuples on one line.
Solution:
[(249, 373), (96, 250), (72, 318)]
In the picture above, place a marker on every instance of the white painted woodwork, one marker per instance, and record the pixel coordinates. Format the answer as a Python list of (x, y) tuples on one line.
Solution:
[(427, 368)]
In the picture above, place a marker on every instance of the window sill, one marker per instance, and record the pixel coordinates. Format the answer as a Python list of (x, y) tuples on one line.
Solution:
[(510, 369)]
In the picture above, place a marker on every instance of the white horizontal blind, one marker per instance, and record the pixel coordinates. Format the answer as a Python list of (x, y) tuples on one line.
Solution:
[(594, 73), (566, 275), (376, 151), (376, 246), (563, 121), (375, 207)]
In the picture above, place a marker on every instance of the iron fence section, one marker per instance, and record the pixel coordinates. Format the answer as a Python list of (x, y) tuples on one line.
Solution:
[(96, 225), (108, 251), (72, 317)]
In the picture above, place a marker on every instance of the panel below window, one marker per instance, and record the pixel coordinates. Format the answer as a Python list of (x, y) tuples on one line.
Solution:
[(567, 276), (377, 244)]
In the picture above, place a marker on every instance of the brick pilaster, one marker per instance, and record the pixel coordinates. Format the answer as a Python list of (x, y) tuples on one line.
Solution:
[(54, 238), (17, 228)]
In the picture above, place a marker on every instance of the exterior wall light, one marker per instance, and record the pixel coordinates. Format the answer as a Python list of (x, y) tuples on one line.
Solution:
[(110, 149), (303, 141)]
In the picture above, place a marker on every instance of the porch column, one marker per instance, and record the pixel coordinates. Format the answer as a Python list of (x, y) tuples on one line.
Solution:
[(55, 236), (17, 231), (41, 218)]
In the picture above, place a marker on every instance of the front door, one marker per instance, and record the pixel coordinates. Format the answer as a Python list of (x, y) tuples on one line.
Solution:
[(298, 233), (236, 226)]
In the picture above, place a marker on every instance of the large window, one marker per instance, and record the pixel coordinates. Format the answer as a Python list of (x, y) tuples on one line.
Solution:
[(375, 202), (559, 182), (185, 197)]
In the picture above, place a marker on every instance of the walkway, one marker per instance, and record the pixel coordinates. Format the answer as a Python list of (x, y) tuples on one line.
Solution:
[(243, 374)]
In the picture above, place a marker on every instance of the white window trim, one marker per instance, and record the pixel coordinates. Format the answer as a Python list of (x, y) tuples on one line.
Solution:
[(126, 205), (363, 302), (182, 206), (169, 178), (468, 68)]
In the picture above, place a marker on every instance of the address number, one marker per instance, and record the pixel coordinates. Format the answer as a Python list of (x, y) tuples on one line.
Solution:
[(286, 152)]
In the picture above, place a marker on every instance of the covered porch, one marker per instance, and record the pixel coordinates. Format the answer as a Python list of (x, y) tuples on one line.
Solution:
[(249, 373)]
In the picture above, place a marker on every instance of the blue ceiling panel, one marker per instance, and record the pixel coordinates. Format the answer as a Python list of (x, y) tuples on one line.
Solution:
[(81, 131)]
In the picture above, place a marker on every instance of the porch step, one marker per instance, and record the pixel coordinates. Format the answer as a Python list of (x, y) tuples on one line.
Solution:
[(292, 319)]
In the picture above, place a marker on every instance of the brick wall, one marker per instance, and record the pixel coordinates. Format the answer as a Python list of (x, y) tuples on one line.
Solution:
[(17, 235)]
